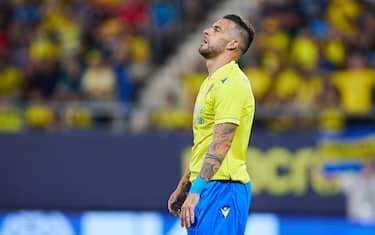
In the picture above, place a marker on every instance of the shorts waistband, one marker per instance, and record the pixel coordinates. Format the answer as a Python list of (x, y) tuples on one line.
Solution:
[(227, 181)]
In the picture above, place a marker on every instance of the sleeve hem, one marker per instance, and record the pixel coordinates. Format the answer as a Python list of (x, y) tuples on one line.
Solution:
[(227, 120)]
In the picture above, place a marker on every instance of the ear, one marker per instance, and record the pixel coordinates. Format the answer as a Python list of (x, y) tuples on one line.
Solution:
[(233, 45)]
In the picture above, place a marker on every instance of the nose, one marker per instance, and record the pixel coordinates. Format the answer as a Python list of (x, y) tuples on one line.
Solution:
[(206, 31)]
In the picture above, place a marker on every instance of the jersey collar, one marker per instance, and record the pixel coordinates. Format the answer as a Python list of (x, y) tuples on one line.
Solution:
[(223, 70)]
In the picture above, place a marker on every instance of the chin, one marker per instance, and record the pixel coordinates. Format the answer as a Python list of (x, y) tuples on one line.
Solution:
[(205, 54)]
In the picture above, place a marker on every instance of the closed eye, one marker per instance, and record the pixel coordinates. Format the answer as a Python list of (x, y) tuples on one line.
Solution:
[(217, 28)]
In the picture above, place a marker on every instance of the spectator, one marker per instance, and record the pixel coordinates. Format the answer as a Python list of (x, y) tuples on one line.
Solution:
[(191, 84), (260, 80), (273, 38), (38, 114), (317, 23), (309, 91), (98, 80), (172, 117), (69, 84), (20, 41), (333, 52), (11, 120), (286, 85), (124, 81), (134, 13), (140, 58), (355, 85), (192, 13), (305, 51), (27, 12), (330, 117), (43, 71), (164, 29), (10, 80), (60, 22), (343, 17), (78, 117)]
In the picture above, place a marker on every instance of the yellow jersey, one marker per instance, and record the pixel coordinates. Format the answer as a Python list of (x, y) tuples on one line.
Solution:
[(355, 87), (224, 97)]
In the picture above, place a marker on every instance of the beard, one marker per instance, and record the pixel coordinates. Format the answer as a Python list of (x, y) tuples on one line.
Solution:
[(209, 51)]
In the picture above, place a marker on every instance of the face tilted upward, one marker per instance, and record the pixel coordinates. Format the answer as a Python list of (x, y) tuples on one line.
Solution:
[(216, 38)]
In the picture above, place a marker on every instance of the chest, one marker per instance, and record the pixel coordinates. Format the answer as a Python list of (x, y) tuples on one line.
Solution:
[(204, 104)]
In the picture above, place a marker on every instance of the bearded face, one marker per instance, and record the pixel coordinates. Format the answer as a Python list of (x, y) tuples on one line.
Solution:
[(212, 48), (215, 39)]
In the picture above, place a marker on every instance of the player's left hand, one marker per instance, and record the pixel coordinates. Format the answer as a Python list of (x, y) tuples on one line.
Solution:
[(187, 210)]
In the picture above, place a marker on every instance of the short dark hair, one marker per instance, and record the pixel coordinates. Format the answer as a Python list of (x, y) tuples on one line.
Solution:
[(247, 31)]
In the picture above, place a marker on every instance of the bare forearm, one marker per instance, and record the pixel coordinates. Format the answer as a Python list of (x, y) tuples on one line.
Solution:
[(184, 179), (221, 142)]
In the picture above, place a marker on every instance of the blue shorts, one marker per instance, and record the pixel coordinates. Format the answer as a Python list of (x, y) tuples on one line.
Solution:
[(222, 209)]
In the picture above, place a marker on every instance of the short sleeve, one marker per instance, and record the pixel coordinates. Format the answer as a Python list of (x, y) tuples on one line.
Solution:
[(229, 98)]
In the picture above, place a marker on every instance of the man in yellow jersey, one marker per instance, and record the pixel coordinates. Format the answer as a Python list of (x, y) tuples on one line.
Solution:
[(219, 198)]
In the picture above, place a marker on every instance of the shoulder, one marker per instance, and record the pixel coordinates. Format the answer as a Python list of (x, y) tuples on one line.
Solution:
[(234, 82), (238, 79)]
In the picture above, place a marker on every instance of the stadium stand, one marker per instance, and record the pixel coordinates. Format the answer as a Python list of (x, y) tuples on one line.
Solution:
[(85, 84), (53, 53), (312, 59)]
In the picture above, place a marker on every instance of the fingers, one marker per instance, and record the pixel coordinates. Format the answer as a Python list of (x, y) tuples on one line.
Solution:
[(172, 200), (192, 216), (174, 212), (187, 216), (182, 221), (183, 217)]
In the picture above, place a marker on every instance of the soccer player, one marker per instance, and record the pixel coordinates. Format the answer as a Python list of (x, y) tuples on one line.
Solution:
[(219, 198)]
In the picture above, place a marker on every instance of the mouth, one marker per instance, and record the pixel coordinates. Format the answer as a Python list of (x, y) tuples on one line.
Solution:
[(205, 40)]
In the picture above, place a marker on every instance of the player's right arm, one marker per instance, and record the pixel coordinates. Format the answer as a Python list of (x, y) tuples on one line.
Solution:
[(179, 189)]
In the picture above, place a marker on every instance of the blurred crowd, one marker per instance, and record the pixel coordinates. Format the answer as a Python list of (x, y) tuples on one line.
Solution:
[(312, 63), (57, 51)]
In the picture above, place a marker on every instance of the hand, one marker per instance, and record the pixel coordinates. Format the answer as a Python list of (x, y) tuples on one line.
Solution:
[(172, 199), (187, 210)]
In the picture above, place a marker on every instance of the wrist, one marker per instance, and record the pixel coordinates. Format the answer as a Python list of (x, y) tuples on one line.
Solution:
[(198, 185)]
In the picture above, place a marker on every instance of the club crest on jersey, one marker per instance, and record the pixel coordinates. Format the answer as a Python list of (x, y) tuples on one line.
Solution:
[(225, 211), (198, 121)]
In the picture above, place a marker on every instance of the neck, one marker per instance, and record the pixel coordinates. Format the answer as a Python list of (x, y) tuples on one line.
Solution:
[(215, 63)]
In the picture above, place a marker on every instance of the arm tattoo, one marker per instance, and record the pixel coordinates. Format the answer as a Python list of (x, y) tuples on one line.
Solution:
[(185, 180), (210, 165), (222, 140)]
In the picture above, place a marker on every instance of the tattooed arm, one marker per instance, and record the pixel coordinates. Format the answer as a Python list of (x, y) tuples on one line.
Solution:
[(221, 142), (184, 179), (179, 189)]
